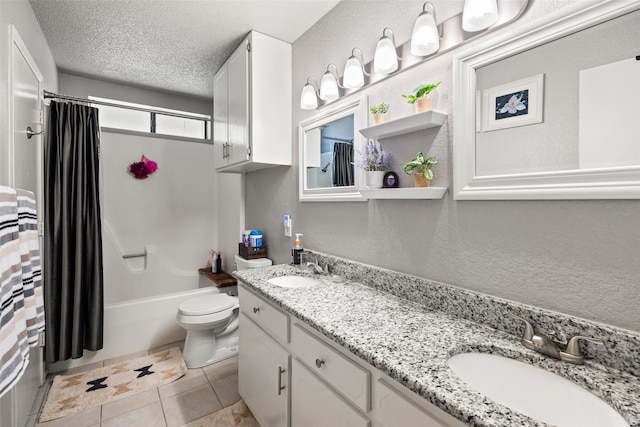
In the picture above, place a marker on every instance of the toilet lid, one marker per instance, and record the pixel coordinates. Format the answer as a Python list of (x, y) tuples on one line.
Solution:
[(208, 304)]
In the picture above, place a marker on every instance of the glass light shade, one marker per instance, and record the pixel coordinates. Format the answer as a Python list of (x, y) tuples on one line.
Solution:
[(479, 14), (353, 77), (425, 39), (385, 60), (328, 87), (308, 99)]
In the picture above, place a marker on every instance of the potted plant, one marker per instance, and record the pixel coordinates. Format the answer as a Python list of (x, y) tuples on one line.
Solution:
[(379, 112), (375, 162), (420, 167), (420, 96)]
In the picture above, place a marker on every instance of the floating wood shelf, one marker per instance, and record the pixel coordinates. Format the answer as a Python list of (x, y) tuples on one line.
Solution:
[(403, 125), (405, 193)]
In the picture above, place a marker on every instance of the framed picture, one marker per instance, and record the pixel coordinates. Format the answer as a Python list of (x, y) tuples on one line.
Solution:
[(513, 104)]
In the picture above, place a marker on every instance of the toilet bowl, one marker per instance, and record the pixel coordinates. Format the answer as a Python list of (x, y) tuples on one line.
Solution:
[(211, 323)]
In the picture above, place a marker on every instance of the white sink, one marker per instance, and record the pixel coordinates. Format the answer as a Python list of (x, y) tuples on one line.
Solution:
[(533, 391), (293, 281)]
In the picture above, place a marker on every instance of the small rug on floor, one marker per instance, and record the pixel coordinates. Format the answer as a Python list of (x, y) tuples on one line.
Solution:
[(76, 392), (236, 415)]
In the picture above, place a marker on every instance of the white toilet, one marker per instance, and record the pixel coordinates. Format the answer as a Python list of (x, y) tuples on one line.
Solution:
[(211, 323)]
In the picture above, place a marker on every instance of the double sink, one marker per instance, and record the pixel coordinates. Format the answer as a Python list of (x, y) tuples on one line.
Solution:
[(522, 387)]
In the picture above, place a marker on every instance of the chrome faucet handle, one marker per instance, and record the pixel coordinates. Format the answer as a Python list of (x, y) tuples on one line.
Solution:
[(529, 331), (572, 352)]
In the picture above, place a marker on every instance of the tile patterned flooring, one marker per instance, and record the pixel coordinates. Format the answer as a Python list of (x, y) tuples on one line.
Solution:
[(200, 392)]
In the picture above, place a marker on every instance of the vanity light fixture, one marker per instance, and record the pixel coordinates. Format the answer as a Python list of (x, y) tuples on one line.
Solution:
[(479, 14), (385, 60), (354, 72), (308, 98), (329, 84), (425, 38)]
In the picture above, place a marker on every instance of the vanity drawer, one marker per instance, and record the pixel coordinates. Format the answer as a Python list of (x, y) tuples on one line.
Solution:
[(266, 315), (345, 376)]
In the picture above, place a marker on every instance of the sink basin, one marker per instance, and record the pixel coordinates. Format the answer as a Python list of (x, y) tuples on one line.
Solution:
[(293, 281), (532, 391)]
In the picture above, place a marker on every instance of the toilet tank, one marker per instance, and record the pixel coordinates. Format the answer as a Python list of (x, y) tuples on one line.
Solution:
[(245, 264)]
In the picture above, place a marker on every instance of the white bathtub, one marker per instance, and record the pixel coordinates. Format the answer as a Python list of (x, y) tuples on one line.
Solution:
[(137, 325)]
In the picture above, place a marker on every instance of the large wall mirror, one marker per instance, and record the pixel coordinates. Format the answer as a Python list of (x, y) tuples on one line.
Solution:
[(551, 110), (327, 145)]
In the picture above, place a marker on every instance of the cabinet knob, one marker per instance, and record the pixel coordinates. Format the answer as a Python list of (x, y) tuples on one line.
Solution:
[(256, 309), (319, 363)]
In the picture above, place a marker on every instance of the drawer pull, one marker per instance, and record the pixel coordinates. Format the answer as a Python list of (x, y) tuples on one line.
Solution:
[(319, 363), (280, 386), (256, 309)]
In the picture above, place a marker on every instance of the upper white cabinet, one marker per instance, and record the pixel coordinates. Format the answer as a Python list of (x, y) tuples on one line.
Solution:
[(252, 106)]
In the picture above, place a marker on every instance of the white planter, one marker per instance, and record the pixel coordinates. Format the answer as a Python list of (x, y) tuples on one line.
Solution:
[(375, 178)]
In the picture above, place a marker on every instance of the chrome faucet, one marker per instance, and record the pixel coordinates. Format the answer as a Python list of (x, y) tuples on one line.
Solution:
[(315, 267), (552, 345)]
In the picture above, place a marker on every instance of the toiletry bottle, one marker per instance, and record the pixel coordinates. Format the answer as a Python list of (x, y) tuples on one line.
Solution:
[(219, 263), (296, 249), (214, 263), (255, 239)]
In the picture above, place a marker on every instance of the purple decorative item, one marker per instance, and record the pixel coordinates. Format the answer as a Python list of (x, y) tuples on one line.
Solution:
[(143, 168), (374, 158)]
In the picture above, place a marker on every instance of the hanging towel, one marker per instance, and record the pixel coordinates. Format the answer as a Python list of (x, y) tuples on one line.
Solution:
[(31, 266), (14, 348)]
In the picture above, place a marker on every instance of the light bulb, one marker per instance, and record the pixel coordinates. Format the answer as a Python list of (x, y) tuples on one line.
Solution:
[(308, 99), (328, 87), (425, 39), (385, 60), (353, 77), (479, 14)]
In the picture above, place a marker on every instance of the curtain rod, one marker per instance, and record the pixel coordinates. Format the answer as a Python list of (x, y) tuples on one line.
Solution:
[(333, 138), (51, 95)]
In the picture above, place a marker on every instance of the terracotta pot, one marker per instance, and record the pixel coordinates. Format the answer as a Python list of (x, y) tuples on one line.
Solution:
[(420, 181), (423, 104), (379, 118)]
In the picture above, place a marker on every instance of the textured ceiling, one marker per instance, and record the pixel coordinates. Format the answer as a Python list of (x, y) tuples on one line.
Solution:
[(172, 45)]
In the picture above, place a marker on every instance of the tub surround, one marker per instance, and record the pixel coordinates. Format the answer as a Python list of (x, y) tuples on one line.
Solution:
[(408, 327)]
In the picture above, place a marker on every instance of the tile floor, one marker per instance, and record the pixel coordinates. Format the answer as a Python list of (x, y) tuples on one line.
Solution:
[(200, 392)]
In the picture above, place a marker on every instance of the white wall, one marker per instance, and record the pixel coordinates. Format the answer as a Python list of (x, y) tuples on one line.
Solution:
[(575, 257), (170, 214), (15, 406)]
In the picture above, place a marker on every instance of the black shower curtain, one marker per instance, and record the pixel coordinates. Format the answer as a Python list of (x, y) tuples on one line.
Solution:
[(342, 164), (73, 280)]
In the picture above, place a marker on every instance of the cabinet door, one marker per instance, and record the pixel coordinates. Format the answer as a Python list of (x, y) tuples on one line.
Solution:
[(263, 372), (220, 117), (314, 404), (238, 104)]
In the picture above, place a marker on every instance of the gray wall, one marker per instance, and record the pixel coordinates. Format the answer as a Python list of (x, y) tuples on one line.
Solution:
[(575, 257), (82, 87)]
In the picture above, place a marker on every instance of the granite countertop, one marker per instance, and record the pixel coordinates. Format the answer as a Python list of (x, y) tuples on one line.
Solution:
[(411, 344)]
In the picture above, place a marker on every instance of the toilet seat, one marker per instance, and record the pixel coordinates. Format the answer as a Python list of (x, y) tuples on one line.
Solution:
[(209, 304)]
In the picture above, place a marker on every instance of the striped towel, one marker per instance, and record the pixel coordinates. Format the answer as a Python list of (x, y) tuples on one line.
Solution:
[(31, 266), (14, 347)]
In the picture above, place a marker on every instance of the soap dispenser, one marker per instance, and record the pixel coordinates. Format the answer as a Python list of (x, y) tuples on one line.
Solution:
[(296, 249)]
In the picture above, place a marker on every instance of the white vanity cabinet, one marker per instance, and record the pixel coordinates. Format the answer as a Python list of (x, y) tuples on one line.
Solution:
[(252, 106), (263, 364), (283, 361), (316, 404)]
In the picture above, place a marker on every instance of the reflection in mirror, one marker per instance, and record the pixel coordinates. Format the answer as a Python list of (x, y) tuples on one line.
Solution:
[(581, 142), (329, 154), (326, 144)]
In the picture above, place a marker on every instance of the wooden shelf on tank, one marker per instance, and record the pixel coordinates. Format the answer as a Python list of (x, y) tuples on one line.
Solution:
[(220, 280)]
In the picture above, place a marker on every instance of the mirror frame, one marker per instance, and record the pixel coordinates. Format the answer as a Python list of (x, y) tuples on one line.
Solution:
[(601, 183), (358, 107)]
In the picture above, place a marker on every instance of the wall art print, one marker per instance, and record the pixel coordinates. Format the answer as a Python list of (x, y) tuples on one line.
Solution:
[(518, 103)]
